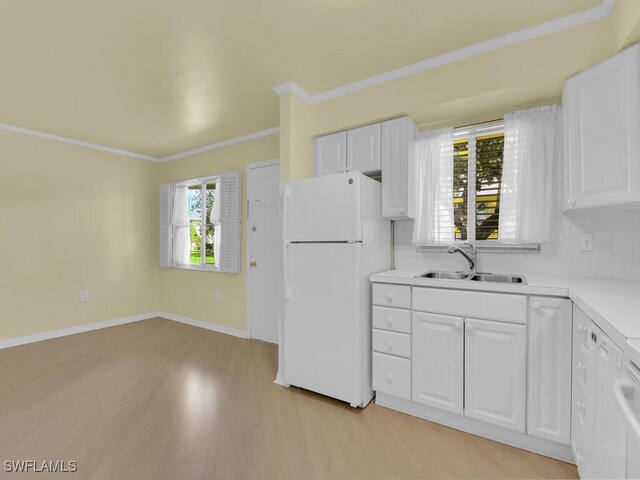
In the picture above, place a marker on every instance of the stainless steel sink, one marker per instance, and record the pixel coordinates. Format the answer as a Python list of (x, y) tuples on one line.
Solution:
[(446, 275), (477, 277), (497, 278)]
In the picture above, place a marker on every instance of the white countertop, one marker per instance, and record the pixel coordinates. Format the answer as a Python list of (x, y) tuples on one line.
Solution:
[(613, 304)]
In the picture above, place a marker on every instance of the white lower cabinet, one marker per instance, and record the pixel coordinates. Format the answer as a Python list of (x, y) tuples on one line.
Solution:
[(392, 375), (437, 373), (549, 378), (504, 374), (496, 372)]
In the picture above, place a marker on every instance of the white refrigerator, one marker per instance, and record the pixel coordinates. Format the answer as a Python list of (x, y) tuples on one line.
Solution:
[(334, 239)]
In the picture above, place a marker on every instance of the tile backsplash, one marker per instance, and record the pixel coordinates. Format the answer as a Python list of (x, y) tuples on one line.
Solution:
[(615, 255)]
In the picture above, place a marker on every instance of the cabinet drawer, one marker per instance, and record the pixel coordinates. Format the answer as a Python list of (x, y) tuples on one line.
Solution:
[(388, 295), (394, 319), (491, 306), (392, 375), (392, 343)]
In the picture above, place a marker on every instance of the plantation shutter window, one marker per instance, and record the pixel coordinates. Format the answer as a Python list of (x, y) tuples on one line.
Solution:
[(200, 223), (228, 233), (166, 234)]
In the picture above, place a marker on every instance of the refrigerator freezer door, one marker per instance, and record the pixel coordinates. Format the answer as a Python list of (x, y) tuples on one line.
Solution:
[(323, 319), (323, 209)]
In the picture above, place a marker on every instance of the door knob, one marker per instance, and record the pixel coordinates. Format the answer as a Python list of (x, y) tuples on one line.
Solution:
[(253, 229), (254, 264)]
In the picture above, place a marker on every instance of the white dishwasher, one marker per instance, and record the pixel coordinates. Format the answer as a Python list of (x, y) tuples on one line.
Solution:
[(605, 435), (627, 391)]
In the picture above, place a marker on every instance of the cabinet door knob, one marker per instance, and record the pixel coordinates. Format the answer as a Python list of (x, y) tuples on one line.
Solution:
[(389, 345), (580, 329), (581, 367), (389, 321), (579, 458), (458, 325), (253, 264), (389, 379), (580, 405), (535, 305), (390, 296), (402, 212), (469, 327)]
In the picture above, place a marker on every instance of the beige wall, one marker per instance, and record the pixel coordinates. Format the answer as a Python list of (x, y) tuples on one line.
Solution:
[(477, 89), (192, 293), (74, 219)]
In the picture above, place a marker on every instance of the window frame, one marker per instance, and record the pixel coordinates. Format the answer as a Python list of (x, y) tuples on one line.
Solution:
[(471, 132), (202, 182)]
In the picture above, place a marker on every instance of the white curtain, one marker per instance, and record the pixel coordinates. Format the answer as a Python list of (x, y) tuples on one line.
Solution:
[(531, 144), (434, 222), (180, 222), (217, 201)]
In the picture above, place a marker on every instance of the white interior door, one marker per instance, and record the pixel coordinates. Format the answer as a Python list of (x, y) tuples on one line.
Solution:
[(263, 248)]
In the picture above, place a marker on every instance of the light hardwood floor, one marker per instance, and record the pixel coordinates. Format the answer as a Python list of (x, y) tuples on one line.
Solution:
[(157, 399)]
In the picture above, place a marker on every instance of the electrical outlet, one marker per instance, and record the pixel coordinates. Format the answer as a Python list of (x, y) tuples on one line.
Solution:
[(84, 296), (218, 296), (586, 242)]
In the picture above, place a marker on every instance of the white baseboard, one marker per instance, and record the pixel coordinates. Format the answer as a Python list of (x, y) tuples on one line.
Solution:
[(88, 327), (63, 332), (206, 325)]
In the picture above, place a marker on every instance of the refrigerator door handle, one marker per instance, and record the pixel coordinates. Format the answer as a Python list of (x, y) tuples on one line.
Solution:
[(285, 246), (285, 271), (285, 212)]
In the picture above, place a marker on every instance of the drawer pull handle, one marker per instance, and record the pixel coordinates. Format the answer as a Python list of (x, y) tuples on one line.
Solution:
[(389, 321), (389, 345), (389, 296), (389, 379), (581, 405)]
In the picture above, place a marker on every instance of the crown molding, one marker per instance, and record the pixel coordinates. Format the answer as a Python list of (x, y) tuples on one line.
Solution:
[(224, 143), (600, 12), (102, 148), (73, 141)]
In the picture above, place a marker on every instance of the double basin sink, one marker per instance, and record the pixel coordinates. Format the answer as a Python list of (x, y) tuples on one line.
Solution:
[(474, 277)]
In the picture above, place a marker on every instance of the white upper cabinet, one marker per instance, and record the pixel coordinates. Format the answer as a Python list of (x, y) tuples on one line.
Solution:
[(495, 372), (602, 133), (331, 154), (356, 150), (549, 390), (437, 351), (363, 149), (398, 168)]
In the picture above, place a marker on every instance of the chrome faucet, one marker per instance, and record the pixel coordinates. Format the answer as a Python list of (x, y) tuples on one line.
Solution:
[(469, 256)]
